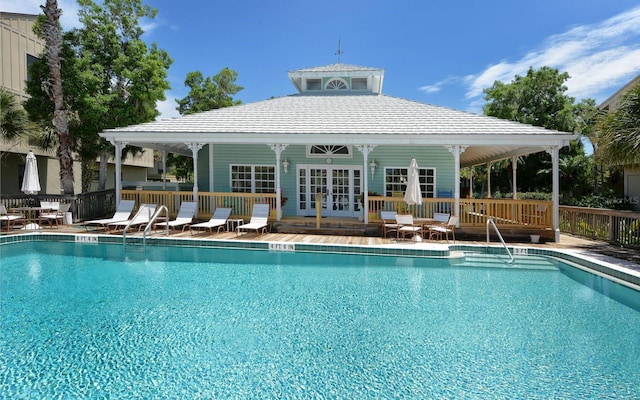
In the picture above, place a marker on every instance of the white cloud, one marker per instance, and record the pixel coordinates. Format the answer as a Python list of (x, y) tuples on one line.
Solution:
[(599, 58), (436, 87), (167, 107)]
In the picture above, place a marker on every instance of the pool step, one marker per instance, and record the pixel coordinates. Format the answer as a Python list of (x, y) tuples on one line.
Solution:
[(502, 261)]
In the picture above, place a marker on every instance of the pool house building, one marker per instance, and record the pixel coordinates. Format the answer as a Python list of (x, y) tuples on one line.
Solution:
[(341, 148)]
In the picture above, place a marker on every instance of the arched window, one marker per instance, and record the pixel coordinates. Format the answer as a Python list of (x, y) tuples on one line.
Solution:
[(336, 84), (328, 151)]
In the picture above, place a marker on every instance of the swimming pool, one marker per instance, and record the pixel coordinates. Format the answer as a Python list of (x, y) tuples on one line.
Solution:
[(94, 320)]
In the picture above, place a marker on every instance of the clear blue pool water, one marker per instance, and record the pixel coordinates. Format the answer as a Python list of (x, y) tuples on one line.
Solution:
[(87, 321)]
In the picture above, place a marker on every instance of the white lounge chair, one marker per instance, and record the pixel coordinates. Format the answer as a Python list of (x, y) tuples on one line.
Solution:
[(9, 219), (183, 219), (123, 212), (218, 220), (139, 220), (259, 220)]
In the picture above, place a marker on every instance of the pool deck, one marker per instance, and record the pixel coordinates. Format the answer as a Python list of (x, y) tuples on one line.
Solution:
[(600, 252)]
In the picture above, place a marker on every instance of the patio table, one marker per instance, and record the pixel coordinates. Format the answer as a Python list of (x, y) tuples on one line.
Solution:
[(31, 214)]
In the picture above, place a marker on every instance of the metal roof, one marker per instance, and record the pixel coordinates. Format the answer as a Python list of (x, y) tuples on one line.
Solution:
[(346, 119)]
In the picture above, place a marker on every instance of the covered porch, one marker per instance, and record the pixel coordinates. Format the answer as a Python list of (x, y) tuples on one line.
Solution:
[(523, 216)]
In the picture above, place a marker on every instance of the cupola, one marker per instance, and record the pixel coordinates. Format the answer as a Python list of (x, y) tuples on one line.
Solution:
[(338, 79)]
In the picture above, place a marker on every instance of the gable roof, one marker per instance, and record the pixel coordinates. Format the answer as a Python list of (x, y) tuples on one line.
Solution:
[(346, 120)]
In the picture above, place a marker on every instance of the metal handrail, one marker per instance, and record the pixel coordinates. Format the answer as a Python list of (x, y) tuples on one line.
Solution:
[(152, 220), (492, 222), (124, 231)]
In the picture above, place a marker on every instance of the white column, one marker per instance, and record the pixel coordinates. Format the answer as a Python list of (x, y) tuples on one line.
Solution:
[(365, 150), (195, 147), (555, 155), (514, 169), (456, 151), (118, 152), (164, 170), (471, 182), (488, 180), (278, 149), (211, 167)]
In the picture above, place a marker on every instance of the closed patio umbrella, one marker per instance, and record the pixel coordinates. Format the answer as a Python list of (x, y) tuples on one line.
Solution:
[(413, 195), (31, 181)]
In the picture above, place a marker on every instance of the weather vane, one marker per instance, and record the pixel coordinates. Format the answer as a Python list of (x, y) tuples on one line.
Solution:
[(339, 52)]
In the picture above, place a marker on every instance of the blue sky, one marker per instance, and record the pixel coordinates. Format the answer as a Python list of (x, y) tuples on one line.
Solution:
[(443, 53)]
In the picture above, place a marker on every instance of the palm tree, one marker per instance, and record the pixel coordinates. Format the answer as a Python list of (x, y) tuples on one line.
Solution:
[(53, 38), (13, 119), (618, 132)]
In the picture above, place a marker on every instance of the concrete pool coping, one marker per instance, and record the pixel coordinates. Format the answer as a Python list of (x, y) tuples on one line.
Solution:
[(571, 249)]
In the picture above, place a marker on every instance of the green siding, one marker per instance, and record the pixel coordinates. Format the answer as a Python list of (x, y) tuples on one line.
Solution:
[(388, 156)]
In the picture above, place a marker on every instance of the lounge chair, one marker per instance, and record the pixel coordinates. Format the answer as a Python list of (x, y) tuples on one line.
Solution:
[(259, 220), (438, 230), (183, 219), (388, 222), (56, 217), (123, 212), (9, 218), (218, 220), (406, 225), (139, 220)]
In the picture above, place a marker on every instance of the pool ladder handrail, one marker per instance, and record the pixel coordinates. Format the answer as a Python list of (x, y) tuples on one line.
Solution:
[(124, 231), (152, 220), (490, 221)]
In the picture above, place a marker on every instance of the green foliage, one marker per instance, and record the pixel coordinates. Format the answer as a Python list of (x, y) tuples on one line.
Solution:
[(209, 93), (609, 201), (539, 99), (524, 196), (182, 166), (111, 77), (204, 94), (13, 119), (618, 132)]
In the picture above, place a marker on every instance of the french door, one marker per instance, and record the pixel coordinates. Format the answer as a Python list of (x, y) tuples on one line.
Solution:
[(334, 188)]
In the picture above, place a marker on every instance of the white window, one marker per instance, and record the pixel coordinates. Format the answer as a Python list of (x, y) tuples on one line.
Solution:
[(253, 178), (336, 84), (395, 180), (314, 84), (358, 83)]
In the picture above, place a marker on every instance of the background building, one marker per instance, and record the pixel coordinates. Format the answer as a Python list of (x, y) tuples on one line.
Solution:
[(19, 47)]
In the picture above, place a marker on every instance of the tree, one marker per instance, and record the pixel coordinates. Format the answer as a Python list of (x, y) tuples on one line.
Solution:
[(209, 93), (111, 78), (538, 99), (53, 88), (204, 94), (14, 121), (618, 132)]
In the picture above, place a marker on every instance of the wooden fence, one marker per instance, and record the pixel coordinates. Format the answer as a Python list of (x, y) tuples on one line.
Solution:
[(240, 203), (473, 212), (613, 226), (84, 206)]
